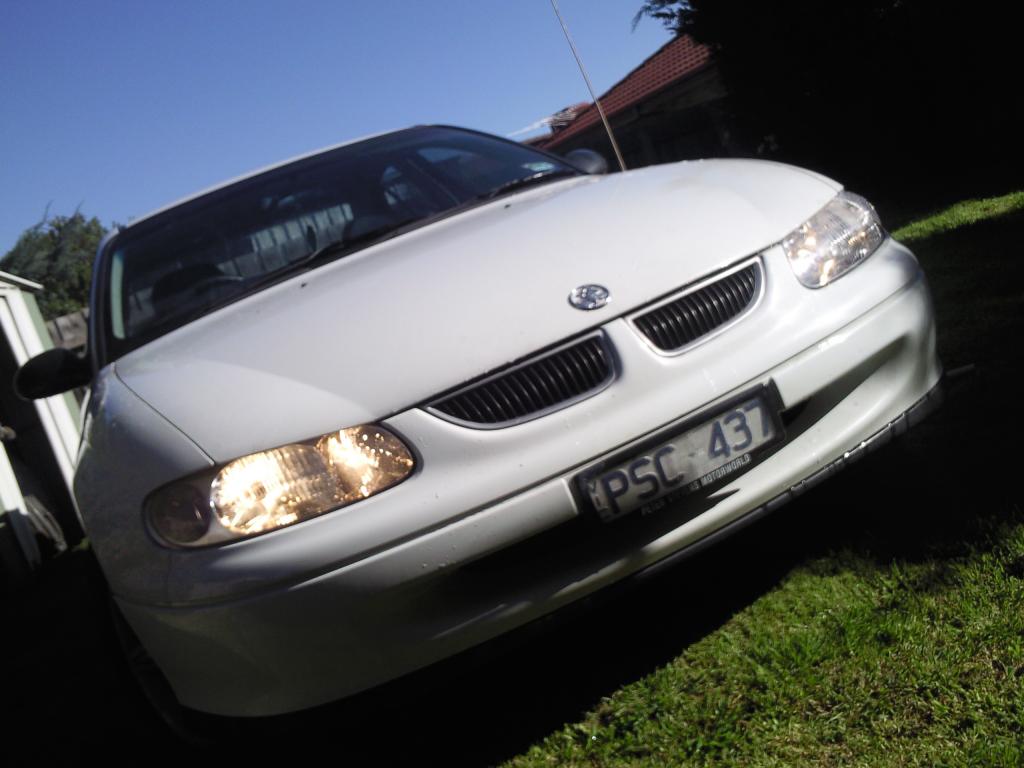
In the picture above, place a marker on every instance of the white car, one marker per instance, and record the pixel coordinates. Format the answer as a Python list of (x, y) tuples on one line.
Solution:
[(361, 411)]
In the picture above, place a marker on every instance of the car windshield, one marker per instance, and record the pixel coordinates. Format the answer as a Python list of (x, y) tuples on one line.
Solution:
[(182, 263)]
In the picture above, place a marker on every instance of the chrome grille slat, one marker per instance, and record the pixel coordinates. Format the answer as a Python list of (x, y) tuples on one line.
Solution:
[(534, 387), (480, 406), (576, 367), (559, 379), (681, 321)]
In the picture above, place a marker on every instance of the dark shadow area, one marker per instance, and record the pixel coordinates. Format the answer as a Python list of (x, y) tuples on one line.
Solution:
[(906, 94), (897, 99), (937, 493), (65, 685)]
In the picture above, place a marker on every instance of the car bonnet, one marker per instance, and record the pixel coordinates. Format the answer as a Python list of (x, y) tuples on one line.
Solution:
[(391, 326)]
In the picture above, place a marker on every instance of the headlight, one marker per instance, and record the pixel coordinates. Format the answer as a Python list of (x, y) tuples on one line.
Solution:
[(834, 240), (272, 489)]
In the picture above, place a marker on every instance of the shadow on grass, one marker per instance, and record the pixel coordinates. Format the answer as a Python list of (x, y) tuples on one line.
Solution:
[(936, 495)]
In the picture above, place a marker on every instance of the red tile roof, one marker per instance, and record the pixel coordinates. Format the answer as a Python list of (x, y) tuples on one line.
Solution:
[(673, 61)]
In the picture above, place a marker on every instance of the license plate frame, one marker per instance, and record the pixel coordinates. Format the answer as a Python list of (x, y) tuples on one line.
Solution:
[(772, 408)]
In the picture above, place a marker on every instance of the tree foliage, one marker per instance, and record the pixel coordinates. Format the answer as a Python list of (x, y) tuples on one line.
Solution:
[(677, 15), (57, 252)]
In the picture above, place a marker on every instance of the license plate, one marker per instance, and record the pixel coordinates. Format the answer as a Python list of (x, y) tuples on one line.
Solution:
[(694, 459)]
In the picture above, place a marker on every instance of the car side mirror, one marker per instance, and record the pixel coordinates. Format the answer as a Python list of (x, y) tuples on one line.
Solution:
[(588, 161), (54, 371)]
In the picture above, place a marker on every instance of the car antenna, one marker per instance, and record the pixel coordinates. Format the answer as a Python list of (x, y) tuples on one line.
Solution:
[(586, 79)]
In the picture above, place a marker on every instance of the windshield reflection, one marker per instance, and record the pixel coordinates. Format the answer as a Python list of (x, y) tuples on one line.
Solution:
[(184, 262)]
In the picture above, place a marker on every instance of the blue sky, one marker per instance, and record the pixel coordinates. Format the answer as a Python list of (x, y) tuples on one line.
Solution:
[(121, 107)]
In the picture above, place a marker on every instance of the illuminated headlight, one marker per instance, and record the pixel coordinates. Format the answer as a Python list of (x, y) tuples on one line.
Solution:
[(280, 487), (834, 240)]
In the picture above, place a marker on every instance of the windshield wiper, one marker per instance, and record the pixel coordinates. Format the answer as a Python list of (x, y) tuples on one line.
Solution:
[(327, 252), (527, 181), (335, 247)]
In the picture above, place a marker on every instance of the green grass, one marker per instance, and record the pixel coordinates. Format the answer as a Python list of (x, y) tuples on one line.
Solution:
[(844, 663), (959, 215), (900, 641)]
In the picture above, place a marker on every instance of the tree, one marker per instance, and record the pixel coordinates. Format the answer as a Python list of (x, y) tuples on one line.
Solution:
[(57, 252), (677, 15)]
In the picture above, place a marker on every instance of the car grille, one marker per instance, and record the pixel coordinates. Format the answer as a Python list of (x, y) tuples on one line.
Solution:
[(534, 387), (684, 319)]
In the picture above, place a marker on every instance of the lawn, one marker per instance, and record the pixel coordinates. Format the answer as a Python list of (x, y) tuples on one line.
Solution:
[(877, 620), (899, 638)]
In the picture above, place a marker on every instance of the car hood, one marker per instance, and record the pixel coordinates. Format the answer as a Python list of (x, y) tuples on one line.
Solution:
[(394, 325)]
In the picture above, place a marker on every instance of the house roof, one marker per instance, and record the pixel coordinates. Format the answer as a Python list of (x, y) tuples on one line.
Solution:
[(673, 61)]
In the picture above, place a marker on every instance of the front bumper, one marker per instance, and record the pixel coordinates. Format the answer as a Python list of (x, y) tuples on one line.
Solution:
[(353, 614)]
